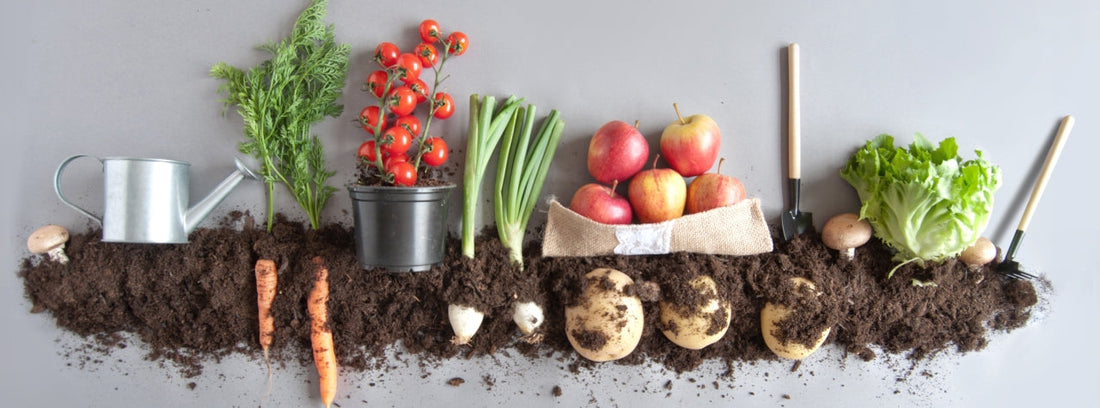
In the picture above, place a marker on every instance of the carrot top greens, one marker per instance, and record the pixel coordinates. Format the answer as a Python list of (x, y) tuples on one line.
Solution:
[(280, 100)]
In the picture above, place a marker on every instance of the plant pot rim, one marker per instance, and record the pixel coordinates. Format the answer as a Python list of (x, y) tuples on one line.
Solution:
[(360, 187)]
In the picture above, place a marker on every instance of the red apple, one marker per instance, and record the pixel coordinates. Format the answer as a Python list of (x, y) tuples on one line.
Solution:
[(616, 152), (690, 145), (602, 204), (713, 190), (657, 194)]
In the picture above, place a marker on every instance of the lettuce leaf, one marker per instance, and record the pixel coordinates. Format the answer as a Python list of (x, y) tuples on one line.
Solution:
[(925, 201)]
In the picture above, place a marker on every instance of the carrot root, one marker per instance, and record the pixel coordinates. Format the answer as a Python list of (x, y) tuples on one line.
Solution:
[(324, 356), (266, 283)]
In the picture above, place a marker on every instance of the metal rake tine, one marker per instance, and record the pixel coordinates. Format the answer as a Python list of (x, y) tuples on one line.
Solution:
[(1020, 275)]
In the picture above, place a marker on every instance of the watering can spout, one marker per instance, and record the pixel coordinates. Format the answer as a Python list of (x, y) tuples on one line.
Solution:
[(197, 213)]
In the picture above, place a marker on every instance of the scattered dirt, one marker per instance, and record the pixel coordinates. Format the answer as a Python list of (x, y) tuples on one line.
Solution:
[(196, 303)]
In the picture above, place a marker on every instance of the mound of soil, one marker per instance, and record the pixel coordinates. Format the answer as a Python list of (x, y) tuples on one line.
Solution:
[(196, 302)]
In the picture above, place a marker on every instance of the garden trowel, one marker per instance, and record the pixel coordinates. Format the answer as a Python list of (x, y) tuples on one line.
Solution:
[(794, 221)]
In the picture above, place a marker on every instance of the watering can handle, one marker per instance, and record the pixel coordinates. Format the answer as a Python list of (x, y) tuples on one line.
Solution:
[(57, 187)]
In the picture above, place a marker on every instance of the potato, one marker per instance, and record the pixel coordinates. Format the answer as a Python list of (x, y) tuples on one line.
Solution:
[(772, 314), (606, 324), (694, 326)]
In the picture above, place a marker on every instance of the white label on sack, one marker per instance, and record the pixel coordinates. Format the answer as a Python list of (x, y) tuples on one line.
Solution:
[(644, 239)]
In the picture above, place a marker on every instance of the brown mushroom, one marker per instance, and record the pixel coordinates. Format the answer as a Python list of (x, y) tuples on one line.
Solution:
[(978, 254), (50, 240), (844, 233)]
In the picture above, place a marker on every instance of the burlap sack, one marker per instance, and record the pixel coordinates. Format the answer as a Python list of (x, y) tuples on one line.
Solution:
[(739, 229)]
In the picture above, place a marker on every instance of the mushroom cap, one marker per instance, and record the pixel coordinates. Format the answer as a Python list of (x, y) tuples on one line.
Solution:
[(46, 238), (845, 231), (980, 253)]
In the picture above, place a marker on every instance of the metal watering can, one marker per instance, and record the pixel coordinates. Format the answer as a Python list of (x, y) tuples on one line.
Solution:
[(145, 200)]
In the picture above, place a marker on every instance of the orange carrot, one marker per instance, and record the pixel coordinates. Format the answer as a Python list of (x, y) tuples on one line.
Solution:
[(266, 281), (321, 334)]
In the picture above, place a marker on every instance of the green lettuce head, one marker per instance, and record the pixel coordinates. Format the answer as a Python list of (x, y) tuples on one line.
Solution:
[(925, 201)]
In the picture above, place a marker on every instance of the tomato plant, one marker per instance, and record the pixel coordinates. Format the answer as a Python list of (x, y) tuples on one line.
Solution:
[(398, 150), (435, 151), (386, 54)]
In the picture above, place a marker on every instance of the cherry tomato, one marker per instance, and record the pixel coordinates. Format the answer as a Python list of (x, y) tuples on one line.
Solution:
[(427, 54), (366, 151), (368, 117), (396, 140), (429, 31), (385, 54), (408, 67), (410, 123), (444, 106), (404, 174), (391, 159), (458, 43), (376, 82), (401, 100), (435, 151), (420, 88)]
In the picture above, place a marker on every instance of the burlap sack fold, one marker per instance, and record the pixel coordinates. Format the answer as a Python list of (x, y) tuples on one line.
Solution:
[(739, 229)]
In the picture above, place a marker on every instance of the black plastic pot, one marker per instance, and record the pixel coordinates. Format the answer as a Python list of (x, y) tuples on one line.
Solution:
[(401, 229)]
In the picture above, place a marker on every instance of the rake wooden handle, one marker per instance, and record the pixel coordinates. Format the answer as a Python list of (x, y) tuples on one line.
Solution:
[(1044, 174), (794, 127)]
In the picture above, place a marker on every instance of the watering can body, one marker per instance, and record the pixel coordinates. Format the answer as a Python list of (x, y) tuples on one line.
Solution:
[(146, 200)]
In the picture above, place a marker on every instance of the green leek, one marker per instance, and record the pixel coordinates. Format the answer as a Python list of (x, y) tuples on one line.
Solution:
[(521, 172), (486, 128)]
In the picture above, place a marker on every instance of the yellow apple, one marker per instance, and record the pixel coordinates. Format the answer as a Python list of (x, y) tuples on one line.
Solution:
[(657, 195)]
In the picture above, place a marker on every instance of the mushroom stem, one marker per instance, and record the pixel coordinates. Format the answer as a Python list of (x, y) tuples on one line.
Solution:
[(58, 254), (848, 254)]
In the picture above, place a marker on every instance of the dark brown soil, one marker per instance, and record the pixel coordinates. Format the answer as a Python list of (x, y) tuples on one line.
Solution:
[(195, 303), (426, 176)]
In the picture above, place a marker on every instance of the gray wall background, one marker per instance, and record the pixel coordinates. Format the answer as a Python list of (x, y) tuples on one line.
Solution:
[(118, 78)]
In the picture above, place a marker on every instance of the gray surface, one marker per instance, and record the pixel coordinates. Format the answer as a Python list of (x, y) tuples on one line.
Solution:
[(129, 78)]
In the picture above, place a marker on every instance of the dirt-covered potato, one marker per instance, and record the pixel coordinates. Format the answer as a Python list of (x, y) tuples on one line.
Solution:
[(773, 314), (698, 319), (607, 323)]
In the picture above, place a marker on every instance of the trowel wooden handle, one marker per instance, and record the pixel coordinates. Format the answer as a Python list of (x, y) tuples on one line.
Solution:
[(794, 127), (1048, 167)]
